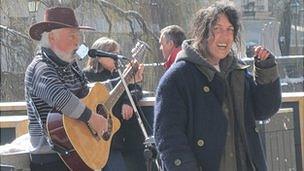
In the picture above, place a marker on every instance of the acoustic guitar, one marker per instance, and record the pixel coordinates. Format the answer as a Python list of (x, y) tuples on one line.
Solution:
[(78, 145)]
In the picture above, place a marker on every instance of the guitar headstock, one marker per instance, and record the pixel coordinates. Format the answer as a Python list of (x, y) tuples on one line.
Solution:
[(139, 51), (138, 54)]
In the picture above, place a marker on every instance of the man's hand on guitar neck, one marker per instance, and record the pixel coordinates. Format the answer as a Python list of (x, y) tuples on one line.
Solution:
[(138, 77), (98, 123), (139, 73)]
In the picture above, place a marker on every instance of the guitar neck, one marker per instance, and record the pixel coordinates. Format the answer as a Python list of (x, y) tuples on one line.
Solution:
[(119, 89)]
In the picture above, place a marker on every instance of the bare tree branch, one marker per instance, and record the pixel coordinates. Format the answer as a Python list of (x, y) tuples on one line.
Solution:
[(132, 28), (130, 14), (15, 32), (107, 18)]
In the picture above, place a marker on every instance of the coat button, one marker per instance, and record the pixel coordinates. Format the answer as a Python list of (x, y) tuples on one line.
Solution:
[(177, 162), (206, 89), (200, 143), (225, 109), (231, 154)]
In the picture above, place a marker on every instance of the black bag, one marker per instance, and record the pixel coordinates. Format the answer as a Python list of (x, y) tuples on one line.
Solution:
[(47, 162)]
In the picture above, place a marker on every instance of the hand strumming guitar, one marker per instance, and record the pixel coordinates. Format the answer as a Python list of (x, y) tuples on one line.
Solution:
[(98, 123)]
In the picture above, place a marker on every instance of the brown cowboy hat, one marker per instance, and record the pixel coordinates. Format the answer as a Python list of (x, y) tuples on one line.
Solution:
[(55, 18)]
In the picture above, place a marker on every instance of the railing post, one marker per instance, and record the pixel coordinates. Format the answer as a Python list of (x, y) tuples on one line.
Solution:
[(301, 116)]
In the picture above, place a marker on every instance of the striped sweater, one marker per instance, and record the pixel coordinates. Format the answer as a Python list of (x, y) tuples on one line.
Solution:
[(53, 84)]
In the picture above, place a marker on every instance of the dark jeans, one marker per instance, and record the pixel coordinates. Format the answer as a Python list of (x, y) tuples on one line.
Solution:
[(115, 162), (47, 162)]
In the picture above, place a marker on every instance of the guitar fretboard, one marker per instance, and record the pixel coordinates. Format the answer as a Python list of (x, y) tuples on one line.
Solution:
[(119, 88)]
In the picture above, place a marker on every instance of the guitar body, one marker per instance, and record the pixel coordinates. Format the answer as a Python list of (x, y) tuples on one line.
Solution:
[(90, 149), (58, 135)]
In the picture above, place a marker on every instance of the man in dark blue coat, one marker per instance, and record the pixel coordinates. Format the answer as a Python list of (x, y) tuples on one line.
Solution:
[(207, 103)]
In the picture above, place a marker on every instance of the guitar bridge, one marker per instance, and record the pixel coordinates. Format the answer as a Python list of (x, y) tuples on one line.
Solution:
[(106, 136)]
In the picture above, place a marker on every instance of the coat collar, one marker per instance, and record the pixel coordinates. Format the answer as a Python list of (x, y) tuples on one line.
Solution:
[(227, 65)]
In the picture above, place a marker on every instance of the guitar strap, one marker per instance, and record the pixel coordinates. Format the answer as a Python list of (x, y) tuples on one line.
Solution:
[(32, 104), (37, 116), (55, 147), (84, 90)]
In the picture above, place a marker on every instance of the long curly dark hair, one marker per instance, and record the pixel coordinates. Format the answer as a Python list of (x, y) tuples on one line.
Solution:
[(206, 18)]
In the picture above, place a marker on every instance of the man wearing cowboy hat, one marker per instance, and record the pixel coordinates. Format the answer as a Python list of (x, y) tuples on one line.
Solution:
[(53, 80)]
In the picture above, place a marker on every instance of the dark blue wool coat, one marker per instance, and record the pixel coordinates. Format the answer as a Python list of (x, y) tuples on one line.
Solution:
[(190, 126)]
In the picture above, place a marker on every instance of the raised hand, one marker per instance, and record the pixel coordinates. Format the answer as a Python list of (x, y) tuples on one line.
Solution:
[(261, 53)]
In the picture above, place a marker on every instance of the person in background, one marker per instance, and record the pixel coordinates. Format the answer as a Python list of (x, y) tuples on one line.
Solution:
[(53, 80), (207, 102), (103, 69), (170, 40)]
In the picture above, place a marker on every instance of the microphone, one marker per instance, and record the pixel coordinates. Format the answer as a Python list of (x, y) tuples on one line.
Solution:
[(93, 53)]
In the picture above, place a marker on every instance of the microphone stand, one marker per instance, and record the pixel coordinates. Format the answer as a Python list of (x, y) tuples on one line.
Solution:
[(150, 152)]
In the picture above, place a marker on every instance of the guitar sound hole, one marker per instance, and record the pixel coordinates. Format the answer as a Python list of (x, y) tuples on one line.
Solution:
[(100, 110)]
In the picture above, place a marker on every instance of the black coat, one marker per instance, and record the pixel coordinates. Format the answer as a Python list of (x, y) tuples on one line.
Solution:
[(190, 126)]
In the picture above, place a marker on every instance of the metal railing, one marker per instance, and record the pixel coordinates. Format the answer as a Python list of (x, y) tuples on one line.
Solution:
[(282, 135)]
